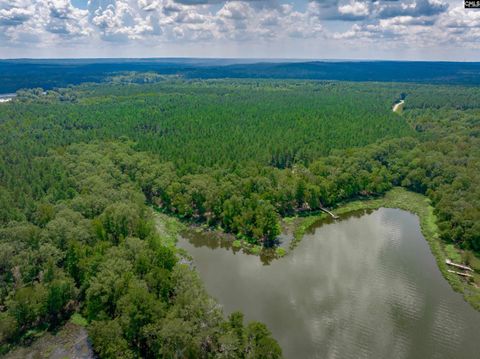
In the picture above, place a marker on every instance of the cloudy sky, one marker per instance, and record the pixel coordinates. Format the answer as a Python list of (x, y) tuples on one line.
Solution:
[(319, 29)]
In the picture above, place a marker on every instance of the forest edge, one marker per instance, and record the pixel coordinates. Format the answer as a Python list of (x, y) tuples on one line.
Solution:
[(397, 197)]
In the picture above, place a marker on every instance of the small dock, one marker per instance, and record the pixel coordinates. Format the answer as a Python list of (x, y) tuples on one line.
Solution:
[(461, 266), (330, 213), (460, 273)]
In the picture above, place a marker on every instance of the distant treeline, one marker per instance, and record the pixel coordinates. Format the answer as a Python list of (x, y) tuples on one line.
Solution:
[(48, 74)]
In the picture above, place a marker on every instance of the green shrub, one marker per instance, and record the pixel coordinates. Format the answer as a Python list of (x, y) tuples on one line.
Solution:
[(280, 251)]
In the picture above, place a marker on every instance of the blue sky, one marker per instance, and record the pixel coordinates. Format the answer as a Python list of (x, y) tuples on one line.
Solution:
[(317, 29)]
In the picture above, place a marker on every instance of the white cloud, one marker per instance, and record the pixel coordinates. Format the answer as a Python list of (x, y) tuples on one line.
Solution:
[(407, 23), (416, 8), (66, 20), (14, 16), (355, 9)]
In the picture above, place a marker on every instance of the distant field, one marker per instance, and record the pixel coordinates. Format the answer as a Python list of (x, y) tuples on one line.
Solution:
[(217, 122)]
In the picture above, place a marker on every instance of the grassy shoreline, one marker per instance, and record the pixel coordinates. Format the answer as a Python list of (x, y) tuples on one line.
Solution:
[(396, 198), (421, 206)]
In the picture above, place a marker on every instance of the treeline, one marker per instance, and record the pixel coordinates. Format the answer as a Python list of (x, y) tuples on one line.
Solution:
[(51, 73)]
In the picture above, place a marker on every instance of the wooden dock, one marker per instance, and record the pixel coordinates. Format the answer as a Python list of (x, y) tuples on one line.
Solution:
[(461, 266), (460, 273), (330, 213)]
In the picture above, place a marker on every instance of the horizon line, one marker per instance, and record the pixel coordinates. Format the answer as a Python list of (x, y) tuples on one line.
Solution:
[(259, 59)]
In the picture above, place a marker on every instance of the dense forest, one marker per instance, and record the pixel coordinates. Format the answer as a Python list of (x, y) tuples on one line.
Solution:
[(90, 244), (80, 167), (210, 123), (51, 73)]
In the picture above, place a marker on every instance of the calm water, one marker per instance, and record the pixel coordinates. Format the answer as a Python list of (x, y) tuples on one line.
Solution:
[(363, 287)]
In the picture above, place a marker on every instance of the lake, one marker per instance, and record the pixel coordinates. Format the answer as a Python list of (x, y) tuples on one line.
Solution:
[(366, 286)]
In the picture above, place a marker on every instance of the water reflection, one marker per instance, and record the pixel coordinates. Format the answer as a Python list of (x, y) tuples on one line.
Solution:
[(363, 287), (215, 240)]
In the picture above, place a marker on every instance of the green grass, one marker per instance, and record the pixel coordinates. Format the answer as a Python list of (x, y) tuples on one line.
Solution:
[(289, 220), (256, 249), (302, 225), (77, 319), (168, 227), (280, 252), (237, 243), (452, 253), (471, 259)]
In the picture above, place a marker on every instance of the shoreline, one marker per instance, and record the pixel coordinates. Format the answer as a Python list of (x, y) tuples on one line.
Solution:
[(421, 207), (398, 198)]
